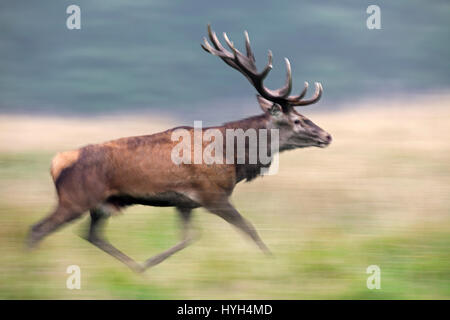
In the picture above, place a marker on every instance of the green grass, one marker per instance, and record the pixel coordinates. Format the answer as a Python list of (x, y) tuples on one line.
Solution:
[(330, 264)]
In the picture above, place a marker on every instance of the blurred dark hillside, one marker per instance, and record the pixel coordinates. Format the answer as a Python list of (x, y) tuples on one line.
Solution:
[(146, 55)]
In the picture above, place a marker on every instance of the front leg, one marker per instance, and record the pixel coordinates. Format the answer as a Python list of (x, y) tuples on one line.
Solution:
[(226, 211)]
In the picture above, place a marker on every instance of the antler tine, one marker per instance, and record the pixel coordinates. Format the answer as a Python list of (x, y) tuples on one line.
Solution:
[(248, 47), (207, 47), (268, 66), (284, 91), (215, 41), (302, 94), (218, 49), (246, 65), (224, 56), (314, 99), (248, 68), (229, 42), (236, 52)]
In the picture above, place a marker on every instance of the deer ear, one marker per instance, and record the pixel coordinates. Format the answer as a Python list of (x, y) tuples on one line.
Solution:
[(268, 106)]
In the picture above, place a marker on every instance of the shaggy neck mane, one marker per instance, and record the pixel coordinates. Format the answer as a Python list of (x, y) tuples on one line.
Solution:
[(255, 122), (249, 171)]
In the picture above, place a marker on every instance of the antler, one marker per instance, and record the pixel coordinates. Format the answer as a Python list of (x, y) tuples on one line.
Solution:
[(245, 64)]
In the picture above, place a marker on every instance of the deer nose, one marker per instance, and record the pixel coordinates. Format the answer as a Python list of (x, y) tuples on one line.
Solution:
[(327, 138)]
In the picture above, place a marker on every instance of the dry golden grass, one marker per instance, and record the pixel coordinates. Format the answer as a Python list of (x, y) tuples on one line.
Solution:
[(23, 133), (380, 194)]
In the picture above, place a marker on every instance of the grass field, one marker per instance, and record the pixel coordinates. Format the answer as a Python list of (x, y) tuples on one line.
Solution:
[(379, 195)]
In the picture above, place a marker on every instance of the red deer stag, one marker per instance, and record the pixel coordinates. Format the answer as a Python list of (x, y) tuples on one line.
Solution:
[(107, 177)]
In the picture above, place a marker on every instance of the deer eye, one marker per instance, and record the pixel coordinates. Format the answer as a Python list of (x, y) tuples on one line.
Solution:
[(297, 121)]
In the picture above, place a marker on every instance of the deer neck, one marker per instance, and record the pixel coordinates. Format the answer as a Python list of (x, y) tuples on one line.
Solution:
[(255, 122), (247, 170)]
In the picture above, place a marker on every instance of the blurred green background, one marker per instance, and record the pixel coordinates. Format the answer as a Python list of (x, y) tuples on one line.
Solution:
[(379, 195), (146, 55)]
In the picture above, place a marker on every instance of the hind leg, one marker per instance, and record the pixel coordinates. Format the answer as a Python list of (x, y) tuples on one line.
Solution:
[(98, 218), (51, 223), (187, 237)]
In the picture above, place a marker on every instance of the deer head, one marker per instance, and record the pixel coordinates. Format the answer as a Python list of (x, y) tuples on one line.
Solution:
[(295, 130)]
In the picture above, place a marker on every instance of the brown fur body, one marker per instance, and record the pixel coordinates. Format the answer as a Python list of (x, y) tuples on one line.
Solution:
[(139, 170), (106, 177)]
